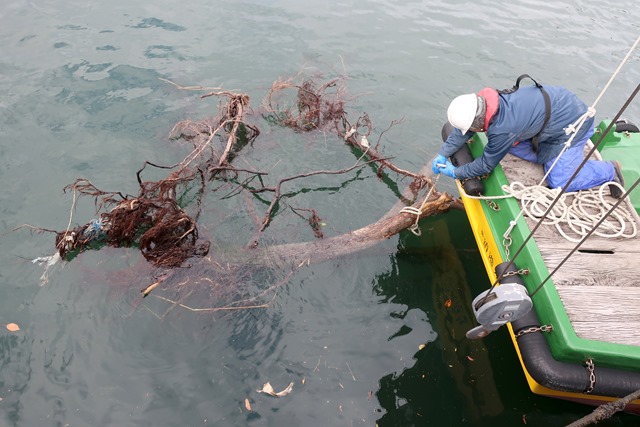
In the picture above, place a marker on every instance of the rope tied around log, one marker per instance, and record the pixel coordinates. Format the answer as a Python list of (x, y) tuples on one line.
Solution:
[(415, 229)]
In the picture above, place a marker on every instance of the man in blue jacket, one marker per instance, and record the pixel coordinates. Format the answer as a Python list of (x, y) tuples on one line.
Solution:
[(524, 123)]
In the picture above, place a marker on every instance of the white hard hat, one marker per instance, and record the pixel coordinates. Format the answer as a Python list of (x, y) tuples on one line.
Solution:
[(462, 111)]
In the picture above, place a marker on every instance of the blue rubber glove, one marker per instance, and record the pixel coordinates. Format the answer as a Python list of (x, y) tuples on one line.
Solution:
[(448, 170), (440, 159)]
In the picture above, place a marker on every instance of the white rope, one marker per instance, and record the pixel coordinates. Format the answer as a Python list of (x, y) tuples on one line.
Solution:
[(615, 74), (470, 196), (418, 211), (574, 214)]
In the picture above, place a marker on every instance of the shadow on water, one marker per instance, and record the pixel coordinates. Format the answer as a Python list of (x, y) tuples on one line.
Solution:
[(434, 279), (16, 371), (455, 381)]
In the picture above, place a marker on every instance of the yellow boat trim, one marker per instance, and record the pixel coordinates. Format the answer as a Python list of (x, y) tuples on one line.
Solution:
[(482, 232)]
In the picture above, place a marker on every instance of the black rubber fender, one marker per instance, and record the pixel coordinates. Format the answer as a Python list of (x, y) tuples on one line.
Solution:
[(625, 126), (447, 128), (563, 376), (556, 375), (472, 186)]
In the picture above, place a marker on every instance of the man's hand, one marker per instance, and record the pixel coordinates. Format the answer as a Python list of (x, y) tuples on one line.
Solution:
[(437, 163), (448, 170)]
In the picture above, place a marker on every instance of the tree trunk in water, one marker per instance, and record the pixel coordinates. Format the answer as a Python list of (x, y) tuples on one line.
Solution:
[(394, 222)]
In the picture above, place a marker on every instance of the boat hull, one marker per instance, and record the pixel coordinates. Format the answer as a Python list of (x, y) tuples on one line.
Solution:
[(558, 372)]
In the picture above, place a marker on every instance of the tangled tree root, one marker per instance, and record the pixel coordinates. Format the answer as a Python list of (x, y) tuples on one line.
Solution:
[(162, 219), (315, 106), (165, 234), (154, 221)]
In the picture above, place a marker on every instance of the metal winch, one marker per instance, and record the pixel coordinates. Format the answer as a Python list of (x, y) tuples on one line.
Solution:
[(500, 304)]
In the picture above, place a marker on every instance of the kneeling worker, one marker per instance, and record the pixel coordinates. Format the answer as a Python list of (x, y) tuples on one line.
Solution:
[(528, 122)]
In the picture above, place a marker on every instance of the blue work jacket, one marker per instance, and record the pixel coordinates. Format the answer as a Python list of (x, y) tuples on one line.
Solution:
[(520, 117)]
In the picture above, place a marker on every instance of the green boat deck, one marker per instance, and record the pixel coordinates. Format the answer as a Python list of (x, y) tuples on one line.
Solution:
[(624, 147), (592, 300)]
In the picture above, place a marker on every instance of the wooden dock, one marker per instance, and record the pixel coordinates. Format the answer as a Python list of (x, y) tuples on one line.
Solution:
[(599, 284)]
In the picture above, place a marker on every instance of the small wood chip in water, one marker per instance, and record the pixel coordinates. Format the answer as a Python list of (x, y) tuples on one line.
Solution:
[(146, 291), (268, 389)]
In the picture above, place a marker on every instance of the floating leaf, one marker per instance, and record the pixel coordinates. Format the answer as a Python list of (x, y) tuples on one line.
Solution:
[(13, 327), (247, 404), (268, 389)]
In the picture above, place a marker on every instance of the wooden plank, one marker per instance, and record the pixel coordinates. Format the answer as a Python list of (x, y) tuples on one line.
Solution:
[(592, 269), (603, 313)]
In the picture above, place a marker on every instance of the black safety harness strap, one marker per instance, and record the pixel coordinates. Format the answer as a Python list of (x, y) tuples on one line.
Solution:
[(547, 105)]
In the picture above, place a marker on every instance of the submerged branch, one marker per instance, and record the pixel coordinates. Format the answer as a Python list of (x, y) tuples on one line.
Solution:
[(277, 193), (606, 411), (390, 224), (358, 240)]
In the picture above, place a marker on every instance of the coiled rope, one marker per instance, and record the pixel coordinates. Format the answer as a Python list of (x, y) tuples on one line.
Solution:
[(576, 217)]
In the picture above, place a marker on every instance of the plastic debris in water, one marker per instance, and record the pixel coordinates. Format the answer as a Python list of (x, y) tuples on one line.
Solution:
[(48, 262)]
